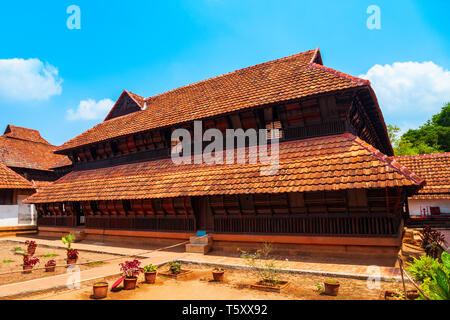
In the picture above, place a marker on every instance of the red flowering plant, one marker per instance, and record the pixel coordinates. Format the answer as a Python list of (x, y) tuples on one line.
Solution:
[(131, 269), (27, 261), (31, 247), (72, 254)]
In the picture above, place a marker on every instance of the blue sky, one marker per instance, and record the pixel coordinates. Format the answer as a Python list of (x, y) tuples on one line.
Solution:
[(149, 47)]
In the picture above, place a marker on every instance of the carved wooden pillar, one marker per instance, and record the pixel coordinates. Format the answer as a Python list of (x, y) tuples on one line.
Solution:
[(108, 150), (123, 146), (147, 206), (111, 208), (101, 152)]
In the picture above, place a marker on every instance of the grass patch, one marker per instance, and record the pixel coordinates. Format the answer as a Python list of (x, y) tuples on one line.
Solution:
[(7, 261), (95, 263), (18, 249), (50, 255)]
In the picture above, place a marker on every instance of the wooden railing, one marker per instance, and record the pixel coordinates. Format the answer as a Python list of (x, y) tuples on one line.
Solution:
[(343, 225)]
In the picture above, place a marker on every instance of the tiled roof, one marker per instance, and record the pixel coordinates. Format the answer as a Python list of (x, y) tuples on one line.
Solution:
[(24, 134), (435, 169), (288, 78), (325, 163), (11, 180), (25, 148)]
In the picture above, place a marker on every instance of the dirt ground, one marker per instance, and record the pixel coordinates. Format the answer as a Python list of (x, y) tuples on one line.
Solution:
[(11, 261), (198, 285)]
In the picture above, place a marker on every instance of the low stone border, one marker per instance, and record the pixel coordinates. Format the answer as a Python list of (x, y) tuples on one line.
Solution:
[(294, 271)]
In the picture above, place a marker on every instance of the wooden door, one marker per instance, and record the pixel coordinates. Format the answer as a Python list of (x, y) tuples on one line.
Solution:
[(203, 214)]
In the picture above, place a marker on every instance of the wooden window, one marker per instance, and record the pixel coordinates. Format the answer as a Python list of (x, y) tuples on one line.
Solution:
[(217, 206), (248, 120), (311, 112), (6, 197), (357, 200), (279, 203), (297, 202), (294, 115), (247, 203), (231, 204), (315, 202), (336, 201), (262, 203)]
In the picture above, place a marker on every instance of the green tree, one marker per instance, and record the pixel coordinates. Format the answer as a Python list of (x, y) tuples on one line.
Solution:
[(432, 137)]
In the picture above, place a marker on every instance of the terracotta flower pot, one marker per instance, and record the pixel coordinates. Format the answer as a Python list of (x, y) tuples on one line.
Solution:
[(412, 294), (218, 275), (332, 289), (100, 290), (129, 283), (150, 277), (50, 268), (71, 261), (31, 251), (27, 269)]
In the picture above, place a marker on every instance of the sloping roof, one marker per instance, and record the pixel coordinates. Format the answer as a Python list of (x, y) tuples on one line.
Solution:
[(11, 180), (24, 134), (325, 163), (288, 78), (25, 148), (435, 169)]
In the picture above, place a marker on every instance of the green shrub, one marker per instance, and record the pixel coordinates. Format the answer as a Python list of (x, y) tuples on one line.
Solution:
[(437, 287), (423, 268)]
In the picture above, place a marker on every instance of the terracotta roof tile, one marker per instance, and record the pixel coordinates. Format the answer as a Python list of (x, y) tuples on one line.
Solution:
[(11, 180), (434, 168), (24, 134), (22, 148), (330, 163), (292, 77)]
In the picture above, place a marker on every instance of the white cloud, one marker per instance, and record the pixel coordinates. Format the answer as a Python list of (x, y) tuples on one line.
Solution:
[(410, 92), (90, 110), (30, 79)]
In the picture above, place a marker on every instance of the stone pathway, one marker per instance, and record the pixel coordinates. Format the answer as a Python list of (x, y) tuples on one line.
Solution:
[(163, 257)]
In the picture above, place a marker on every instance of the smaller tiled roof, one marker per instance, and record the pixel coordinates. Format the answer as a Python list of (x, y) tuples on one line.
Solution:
[(24, 134), (435, 169), (25, 148), (318, 164), (11, 180)]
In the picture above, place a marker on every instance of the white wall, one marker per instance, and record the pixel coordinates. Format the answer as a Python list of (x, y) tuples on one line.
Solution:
[(17, 214), (416, 205)]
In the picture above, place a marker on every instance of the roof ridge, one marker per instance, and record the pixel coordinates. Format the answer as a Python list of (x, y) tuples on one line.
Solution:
[(27, 140), (231, 72), (341, 74), (423, 155), (388, 160)]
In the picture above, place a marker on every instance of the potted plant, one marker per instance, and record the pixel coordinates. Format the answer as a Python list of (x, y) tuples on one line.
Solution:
[(50, 266), (150, 273), (332, 287), (31, 247), (265, 268), (100, 290), (29, 263), (130, 270), (72, 256), (174, 268), (218, 274)]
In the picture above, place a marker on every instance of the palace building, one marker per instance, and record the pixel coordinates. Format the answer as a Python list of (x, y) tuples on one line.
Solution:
[(337, 189), (431, 205), (27, 163)]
